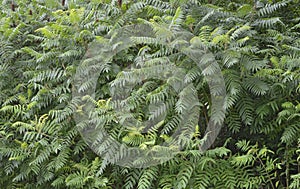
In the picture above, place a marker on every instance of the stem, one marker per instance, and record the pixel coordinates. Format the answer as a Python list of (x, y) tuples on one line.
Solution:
[(269, 177), (205, 115), (287, 170)]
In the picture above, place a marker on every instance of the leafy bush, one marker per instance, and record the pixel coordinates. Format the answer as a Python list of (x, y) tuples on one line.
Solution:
[(256, 45)]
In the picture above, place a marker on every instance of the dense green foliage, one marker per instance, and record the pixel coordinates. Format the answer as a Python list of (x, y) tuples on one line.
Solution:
[(257, 46)]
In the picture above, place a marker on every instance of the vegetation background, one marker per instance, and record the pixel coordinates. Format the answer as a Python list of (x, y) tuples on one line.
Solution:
[(256, 44)]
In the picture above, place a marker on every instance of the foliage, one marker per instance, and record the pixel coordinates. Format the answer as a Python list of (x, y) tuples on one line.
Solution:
[(257, 47)]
